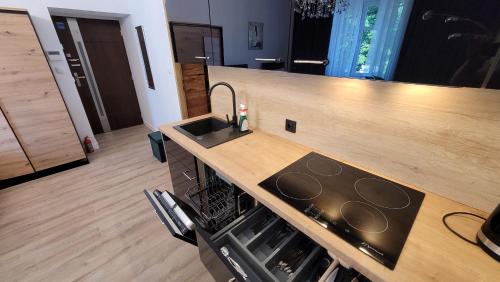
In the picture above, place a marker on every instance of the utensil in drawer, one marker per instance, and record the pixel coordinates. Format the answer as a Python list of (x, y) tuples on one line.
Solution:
[(279, 237), (260, 225), (294, 258), (237, 267), (306, 251), (289, 258), (297, 261)]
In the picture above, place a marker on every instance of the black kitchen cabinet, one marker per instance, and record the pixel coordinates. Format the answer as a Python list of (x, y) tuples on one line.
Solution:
[(182, 165), (253, 246), (430, 42), (310, 39), (250, 247), (255, 34), (246, 246), (210, 260), (194, 39)]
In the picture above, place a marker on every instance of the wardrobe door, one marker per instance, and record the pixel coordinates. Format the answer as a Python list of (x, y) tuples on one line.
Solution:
[(13, 161), (31, 99)]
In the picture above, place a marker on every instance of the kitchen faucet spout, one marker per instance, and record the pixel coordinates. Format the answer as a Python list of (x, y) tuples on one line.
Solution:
[(233, 121)]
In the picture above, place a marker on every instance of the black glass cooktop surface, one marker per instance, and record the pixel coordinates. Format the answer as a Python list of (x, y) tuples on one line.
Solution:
[(373, 214)]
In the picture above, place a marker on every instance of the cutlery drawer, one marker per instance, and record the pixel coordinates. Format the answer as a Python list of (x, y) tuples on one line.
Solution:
[(264, 247), (254, 225), (271, 240), (292, 259)]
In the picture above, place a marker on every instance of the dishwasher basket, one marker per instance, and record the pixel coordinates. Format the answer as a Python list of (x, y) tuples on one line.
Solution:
[(214, 201)]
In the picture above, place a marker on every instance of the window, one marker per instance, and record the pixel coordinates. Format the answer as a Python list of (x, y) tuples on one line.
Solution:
[(369, 18), (366, 38)]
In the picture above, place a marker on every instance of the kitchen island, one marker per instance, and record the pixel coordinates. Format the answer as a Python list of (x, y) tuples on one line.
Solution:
[(431, 252)]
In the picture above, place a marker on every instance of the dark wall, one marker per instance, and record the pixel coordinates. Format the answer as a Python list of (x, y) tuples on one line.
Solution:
[(428, 56)]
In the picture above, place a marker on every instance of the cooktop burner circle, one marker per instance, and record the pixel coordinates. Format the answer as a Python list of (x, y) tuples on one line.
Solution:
[(382, 193), (323, 166), (299, 186), (364, 217)]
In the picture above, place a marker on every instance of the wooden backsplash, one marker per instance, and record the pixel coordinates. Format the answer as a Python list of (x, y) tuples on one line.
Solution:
[(443, 140)]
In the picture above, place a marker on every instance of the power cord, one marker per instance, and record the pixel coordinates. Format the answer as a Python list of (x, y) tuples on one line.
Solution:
[(455, 232)]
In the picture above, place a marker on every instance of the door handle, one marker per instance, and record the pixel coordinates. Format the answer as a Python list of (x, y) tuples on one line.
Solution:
[(272, 60), (73, 60), (202, 57), (312, 62), (187, 176), (234, 264), (77, 79)]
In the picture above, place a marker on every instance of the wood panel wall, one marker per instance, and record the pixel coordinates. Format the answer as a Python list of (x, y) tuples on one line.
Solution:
[(13, 161), (195, 90), (443, 140), (31, 99)]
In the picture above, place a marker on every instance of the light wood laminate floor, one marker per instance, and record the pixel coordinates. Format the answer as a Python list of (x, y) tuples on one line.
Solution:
[(93, 223)]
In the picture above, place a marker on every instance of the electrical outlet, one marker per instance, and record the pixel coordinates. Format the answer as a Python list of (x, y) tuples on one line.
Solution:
[(290, 125)]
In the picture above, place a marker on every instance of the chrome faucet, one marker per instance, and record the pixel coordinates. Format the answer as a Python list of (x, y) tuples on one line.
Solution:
[(233, 121)]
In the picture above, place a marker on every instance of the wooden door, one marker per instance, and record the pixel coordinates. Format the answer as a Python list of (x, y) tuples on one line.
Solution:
[(106, 51), (75, 66), (31, 99), (13, 161)]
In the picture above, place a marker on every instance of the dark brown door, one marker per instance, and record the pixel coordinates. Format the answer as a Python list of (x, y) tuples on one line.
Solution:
[(106, 51), (71, 54), (197, 44)]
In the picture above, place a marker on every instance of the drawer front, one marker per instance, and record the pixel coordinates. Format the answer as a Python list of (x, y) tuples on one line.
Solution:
[(180, 154), (181, 178), (255, 247), (182, 167), (212, 262)]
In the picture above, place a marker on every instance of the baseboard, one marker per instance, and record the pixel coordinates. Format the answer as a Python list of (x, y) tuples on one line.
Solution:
[(39, 174), (148, 125)]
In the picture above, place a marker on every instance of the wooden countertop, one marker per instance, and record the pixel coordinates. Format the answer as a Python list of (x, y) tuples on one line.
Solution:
[(431, 252)]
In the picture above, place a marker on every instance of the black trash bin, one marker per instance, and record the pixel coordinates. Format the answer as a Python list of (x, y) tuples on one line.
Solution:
[(157, 146)]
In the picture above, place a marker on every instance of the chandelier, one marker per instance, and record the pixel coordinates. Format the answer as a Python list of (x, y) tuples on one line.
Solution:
[(320, 8)]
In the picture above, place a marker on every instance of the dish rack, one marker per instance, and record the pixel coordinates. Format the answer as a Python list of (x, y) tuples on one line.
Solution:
[(214, 201)]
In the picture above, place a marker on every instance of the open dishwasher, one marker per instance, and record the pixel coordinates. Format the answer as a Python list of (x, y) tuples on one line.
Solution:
[(246, 242)]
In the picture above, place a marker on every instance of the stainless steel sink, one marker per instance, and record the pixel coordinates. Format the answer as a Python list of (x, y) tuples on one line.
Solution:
[(210, 131)]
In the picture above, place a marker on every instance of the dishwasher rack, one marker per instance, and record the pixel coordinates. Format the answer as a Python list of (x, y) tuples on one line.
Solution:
[(214, 200)]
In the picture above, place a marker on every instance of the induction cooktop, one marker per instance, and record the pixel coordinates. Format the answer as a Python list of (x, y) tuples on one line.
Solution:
[(371, 213)]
